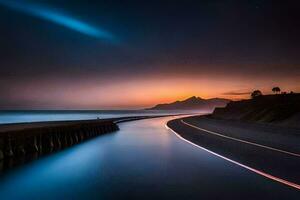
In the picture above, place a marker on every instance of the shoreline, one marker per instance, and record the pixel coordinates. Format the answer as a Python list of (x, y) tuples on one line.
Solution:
[(44, 124)]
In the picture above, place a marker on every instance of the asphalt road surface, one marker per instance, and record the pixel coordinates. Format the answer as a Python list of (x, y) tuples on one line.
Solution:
[(271, 151)]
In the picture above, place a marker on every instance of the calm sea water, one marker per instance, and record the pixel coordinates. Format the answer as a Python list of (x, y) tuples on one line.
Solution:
[(143, 160), (37, 116)]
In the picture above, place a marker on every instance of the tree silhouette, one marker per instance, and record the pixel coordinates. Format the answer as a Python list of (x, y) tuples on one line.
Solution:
[(256, 93), (276, 90)]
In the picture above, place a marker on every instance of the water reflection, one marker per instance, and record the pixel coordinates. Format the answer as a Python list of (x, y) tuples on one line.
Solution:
[(9, 163), (141, 161)]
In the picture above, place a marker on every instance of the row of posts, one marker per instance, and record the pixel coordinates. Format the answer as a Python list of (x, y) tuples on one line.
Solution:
[(48, 139)]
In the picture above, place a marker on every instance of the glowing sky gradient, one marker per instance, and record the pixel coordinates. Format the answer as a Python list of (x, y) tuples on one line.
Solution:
[(67, 55)]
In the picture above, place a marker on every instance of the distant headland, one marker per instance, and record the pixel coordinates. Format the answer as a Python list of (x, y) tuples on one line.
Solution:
[(193, 103)]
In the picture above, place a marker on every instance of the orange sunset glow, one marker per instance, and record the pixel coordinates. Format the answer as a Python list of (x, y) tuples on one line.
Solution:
[(141, 93), (133, 62)]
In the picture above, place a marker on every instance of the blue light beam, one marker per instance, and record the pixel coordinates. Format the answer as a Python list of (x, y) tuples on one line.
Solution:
[(58, 18)]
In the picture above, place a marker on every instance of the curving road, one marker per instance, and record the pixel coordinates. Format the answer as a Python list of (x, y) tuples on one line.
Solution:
[(251, 146), (143, 160)]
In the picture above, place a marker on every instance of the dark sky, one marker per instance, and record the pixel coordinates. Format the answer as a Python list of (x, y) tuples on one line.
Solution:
[(156, 51)]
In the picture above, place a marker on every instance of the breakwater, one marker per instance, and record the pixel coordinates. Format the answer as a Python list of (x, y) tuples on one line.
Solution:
[(20, 140)]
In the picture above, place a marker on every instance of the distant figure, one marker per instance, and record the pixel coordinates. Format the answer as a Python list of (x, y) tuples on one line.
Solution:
[(256, 93), (276, 90)]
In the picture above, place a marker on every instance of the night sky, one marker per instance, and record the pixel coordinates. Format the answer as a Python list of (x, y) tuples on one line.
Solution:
[(132, 54)]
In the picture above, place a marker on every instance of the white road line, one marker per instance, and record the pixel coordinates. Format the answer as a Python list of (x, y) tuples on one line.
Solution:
[(269, 176), (240, 140)]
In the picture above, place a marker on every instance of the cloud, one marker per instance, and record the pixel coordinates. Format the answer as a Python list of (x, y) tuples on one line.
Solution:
[(58, 18), (236, 93)]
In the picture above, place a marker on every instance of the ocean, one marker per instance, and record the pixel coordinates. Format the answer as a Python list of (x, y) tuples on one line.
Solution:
[(7, 117)]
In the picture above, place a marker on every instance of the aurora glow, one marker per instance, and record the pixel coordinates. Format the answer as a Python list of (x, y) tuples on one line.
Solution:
[(57, 18)]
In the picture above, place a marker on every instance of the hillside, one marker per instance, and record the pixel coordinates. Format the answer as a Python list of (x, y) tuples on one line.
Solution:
[(281, 109), (193, 103)]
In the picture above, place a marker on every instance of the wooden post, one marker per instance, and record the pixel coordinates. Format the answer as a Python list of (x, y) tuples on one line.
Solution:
[(8, 152)]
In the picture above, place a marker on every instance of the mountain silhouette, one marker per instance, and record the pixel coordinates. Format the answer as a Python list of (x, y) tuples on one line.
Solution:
[(193, 103)]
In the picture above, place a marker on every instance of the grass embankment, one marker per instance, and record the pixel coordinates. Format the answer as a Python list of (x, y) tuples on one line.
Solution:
[(282, 109)]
